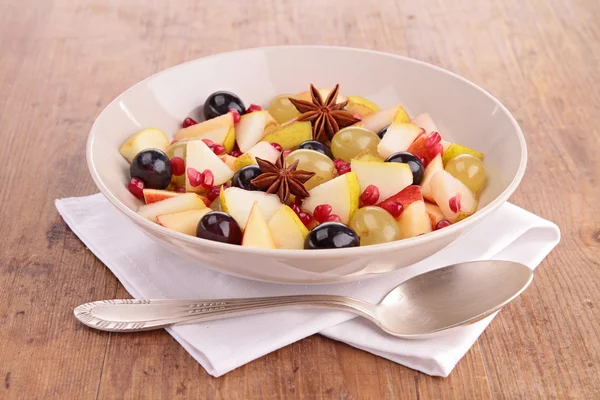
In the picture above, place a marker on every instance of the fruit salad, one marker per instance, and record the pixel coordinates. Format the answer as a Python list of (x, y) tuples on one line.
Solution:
[(315, 170)]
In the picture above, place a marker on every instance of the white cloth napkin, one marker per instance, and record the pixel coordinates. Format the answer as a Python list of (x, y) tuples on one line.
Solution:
[(148, 270)]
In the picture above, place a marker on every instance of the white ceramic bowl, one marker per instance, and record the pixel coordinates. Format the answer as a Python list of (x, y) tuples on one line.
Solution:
[(464, 113)]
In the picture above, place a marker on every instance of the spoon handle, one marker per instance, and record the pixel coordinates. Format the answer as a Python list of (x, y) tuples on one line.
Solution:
[(132, 315)]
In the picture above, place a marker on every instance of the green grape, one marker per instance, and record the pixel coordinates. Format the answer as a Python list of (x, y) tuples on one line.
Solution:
[(351, 141), (313, 161), (469, 170), (177, 149), (282, 109), (374, 225)]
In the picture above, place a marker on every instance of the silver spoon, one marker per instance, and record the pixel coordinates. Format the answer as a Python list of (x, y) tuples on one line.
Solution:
[(431, 302)]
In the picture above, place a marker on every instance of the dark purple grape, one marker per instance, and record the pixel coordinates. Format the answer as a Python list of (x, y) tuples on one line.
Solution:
[(316, 146), (153, 167), (331, 235), (219, 227), (242, 178), (416, 166), (382, 132), (221, 102)]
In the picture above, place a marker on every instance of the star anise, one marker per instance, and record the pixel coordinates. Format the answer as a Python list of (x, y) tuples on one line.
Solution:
[(281, 179), (327, 117)]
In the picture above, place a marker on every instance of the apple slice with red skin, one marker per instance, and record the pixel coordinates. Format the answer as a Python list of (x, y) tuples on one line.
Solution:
[(154, 195), (452, 196), (427, 147)]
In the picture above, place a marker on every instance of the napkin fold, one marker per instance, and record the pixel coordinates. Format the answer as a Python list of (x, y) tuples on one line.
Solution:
[(148, 270)]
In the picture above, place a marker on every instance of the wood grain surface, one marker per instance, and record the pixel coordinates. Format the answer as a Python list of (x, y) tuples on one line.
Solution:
[(62, 61)]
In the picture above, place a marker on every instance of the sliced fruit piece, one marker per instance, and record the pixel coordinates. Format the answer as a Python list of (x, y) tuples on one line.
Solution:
[(184, 221), (452, 196), (435, 214), (151, 138), (229, 160), (219, 130), (405, 197), (398, 138), (154, 195), (183, 202), (287, 230), (262, 150), (290, 135), (200, 157), (251, 129), (257, 233), (426, 122), (361, 106), (414, 220), (368, 155), (389, 177), (238, 202), (380, 119), (434, 166), (324, 93), (340, 193), (427, 147), (456, 149)]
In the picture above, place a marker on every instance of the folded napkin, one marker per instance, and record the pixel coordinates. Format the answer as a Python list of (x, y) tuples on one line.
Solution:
[(148, 270)]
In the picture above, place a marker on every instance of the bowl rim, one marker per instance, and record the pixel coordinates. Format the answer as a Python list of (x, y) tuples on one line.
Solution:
[(331, 253)]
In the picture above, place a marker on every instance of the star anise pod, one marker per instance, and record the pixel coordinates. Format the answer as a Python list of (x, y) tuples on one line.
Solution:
[(281, 179), (327, 117)]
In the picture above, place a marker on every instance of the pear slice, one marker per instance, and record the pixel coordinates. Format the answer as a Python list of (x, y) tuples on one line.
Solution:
[(251, 129), (287, 231), (361, 106), (456, 149), (452, 196), (290, 135), (398, 137), (368, 155), (341, 193), (262, 150), (414, 220), (389, 178), (257, 233), (238, 203), (184, 221), (200, 157), (432, 168), (380, 119), (229, 160), (151, 138), (183, 202), (219, 130)]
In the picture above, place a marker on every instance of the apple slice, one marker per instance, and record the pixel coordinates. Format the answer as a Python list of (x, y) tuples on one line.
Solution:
[(341, 193), (452, 196), (184, 221), (238, 202), (405, 197), (262, 150), (414, 220), (257, 233), (290, 135), (434, 166), (380, 119), (426, 122), (361, 106), (287, 231), (398, 137), (151, 138), (456, 149), (388, 177), (154, 195), (435, 214), (200, 157), (251, 129), (427, 147), (183, 202)]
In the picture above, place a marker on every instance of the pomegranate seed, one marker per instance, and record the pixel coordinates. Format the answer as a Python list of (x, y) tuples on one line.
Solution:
[(433, 139), (298, 200), (178, 166), (370, 195), (322, 212), (454, 203), (188, 122), (194, 177), (180, 189), (174, 141), (236, 115), (208, 142), (206, 201), (334, 218), (305, 218), (253, 107), (296, 208), (442, 224), (213, 193), (344, 169), (277, 146), (208, 179), (218, 149), (393, 207), (136, 187), (286, 153), (338, 162), (235, 153)]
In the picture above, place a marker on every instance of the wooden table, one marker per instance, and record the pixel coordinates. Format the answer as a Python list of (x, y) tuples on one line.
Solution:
[(61, 62)]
